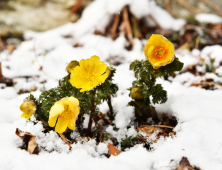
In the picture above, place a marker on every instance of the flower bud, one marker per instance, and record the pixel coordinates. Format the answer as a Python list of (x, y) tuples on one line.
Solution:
[(135, 93), (72, 65), (28, 107)]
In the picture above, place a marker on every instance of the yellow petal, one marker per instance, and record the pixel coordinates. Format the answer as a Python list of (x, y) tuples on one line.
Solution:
[(103, 77), (27, 116), (74, 100), (56, 109), (87, 87), (89, 74), (159, 51), (52, 121), (72, 124), (61, 125)]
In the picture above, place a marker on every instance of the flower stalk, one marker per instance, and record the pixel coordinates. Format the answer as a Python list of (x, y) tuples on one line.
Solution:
[(110, 107), (92, 113)]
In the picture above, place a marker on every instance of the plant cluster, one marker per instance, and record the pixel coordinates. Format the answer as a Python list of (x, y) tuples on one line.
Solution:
[(160, 62), (90, 82)]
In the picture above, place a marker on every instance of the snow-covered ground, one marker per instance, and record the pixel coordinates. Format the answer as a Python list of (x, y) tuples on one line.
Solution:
[(198, 111)]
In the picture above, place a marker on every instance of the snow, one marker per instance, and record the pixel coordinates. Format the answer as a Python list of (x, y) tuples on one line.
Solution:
[(208, 18), (198, 111)]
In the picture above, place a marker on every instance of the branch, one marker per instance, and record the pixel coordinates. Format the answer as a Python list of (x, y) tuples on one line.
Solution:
[(213, 6), (65, 140), (190, 7)]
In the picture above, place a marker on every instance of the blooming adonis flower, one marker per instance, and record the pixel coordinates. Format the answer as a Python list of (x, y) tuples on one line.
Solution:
[(28, 107), (159, 51), (89, 74), (66, 111)]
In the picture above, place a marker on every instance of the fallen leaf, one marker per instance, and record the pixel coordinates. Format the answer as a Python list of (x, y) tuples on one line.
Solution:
[(32, 146), (29, 141), (185, 165), (113, 150), (148, 129), (184, 162)]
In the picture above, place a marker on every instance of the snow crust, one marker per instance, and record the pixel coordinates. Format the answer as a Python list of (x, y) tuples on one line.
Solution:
[(198, 111), (208, 18)]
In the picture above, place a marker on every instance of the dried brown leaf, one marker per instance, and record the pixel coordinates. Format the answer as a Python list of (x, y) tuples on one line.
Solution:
[(32, 146), (113, 150), (147, 129), (28, 140)]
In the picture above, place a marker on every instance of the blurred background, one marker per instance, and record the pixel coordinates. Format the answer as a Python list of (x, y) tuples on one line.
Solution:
[(17, 16), (123, 25)]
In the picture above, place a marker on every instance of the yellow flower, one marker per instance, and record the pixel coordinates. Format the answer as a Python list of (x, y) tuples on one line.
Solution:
[(135, 93), (67, 111), (28, 107), (89, 74), (159, 51)]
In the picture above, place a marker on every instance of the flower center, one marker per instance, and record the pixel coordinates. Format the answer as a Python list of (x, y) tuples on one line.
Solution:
[(88, 75), (67, 114), (160, 53)]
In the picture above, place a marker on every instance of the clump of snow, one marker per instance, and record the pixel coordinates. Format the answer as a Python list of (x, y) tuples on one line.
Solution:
[(208, 18), (102, 148), (212, 52), (121, 133)]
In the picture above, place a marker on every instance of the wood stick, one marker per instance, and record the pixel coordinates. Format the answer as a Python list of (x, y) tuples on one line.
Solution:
[(75, 7), (162, 126), (127, 26), (213, 6), (65, 140), (167, 4), (154, 20), (203, 83), (1, 75), (110, 106), (190, 7), (113, 29)]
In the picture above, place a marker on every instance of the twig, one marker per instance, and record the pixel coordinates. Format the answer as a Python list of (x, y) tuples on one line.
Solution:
[(1, 75), (110, 107), (92, 108), (65, 140), (167, 4), (114, 27), (213, 6), (153, 19), (203, 83), (75, 7), (190, 7), (162, 126), (101, 132), (197, 42), (90, 123), (127, 26)]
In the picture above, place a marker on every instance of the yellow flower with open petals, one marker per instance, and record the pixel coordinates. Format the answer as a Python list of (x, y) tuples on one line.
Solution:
[(159, 51), (66, 111), (28, 107), (89, 74)]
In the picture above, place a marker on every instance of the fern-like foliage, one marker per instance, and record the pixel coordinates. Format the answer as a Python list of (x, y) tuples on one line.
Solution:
[(146, 77), (64, 89)]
